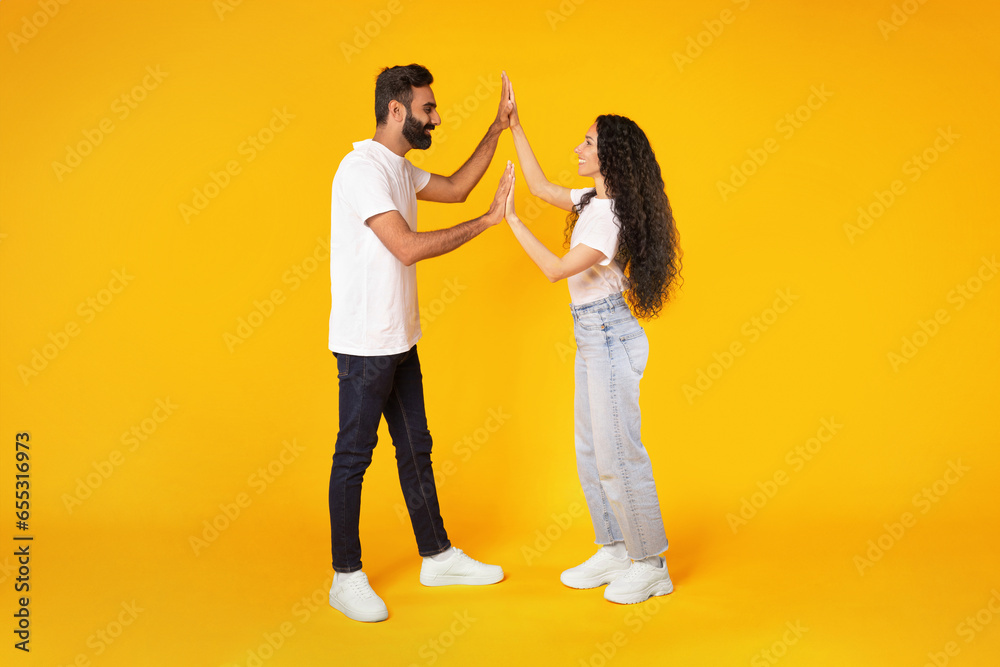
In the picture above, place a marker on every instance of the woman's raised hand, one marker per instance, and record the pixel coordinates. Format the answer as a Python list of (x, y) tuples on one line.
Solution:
[(509, 213), (512, 105)]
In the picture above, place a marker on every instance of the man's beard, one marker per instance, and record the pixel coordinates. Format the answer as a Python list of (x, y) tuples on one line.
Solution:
[(413, 130)]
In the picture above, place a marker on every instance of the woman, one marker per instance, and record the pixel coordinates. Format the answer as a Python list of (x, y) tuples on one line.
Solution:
[(623, 258)]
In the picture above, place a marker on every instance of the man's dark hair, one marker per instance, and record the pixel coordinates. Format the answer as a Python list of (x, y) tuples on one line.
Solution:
[(397, 83)]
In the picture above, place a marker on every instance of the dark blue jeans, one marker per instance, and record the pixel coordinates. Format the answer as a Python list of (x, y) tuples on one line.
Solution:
[(370, 387)]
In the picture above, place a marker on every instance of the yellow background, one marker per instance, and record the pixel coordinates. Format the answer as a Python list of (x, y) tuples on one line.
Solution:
[(498, 336)]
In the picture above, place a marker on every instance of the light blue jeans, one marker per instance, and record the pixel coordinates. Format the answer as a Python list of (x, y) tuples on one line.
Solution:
[(614, 468)]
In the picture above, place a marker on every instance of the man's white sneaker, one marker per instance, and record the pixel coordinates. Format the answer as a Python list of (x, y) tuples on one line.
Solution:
[(599, 569), (459, 569), (641, 582), (353, 596)]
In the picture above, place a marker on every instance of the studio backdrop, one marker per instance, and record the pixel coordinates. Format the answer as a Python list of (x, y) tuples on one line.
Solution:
[(820, 402)]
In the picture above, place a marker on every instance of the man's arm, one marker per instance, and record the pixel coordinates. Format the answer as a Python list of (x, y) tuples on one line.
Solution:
[(409, 247), (456, 188)]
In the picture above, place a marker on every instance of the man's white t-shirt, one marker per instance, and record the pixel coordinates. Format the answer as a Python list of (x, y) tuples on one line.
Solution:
[(374, 305), (597, 228)]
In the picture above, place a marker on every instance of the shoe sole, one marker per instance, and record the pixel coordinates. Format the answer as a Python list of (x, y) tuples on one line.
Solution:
[(370, 617), (594, 582), (459, 580), (653, 590)]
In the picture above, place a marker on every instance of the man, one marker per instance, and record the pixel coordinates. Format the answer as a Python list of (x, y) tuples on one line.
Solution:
[(375, 325)]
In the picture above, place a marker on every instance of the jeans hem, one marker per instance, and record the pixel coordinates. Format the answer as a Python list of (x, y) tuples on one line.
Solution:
[(651, 553), (608, 544), (346, 570), (439, 551)]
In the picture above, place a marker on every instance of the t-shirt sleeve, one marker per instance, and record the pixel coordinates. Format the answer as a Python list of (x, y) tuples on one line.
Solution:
[(419, 177), (365, 189), (576, 195), (600, 232)]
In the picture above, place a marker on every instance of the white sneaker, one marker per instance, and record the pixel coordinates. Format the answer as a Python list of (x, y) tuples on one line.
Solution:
[(641, 582), (353, 596), (459, 569), (601, 568)]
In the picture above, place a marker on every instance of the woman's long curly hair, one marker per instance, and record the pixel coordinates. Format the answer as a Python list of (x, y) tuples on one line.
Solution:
[(648, 243)]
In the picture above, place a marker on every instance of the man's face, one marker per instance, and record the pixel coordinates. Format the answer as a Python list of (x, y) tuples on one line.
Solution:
[(421, 118)]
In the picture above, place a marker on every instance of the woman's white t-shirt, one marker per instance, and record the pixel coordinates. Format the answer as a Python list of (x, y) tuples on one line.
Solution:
[(596, 228)]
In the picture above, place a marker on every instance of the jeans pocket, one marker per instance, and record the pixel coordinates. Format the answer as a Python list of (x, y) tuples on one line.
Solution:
[(343, 365), (591, 323), (636, 349)]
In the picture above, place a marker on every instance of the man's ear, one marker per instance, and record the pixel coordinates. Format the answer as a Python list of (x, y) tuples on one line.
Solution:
[(397, 111)]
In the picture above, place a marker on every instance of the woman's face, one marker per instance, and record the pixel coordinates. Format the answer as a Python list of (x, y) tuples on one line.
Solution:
[(587, 153)]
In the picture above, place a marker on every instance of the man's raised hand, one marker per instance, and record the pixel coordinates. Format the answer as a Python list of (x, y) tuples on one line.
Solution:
[(503, 120), (499, 204)]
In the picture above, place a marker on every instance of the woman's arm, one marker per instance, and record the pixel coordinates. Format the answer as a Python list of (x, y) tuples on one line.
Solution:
[(555, 268), (538, 184)]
